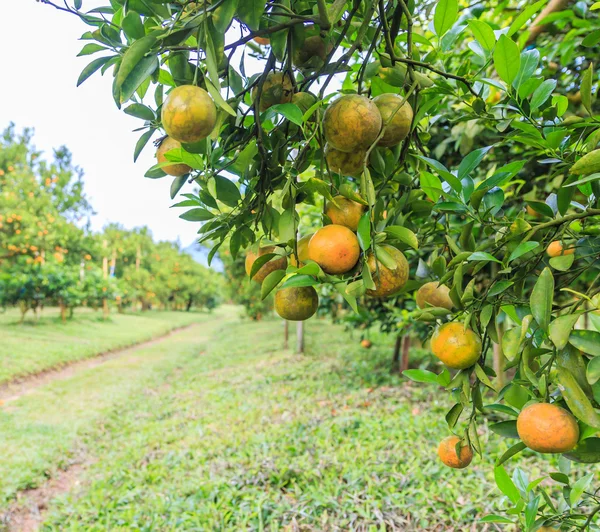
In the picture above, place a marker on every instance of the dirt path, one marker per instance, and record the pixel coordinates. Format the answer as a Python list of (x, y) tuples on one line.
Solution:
[(13, 390)]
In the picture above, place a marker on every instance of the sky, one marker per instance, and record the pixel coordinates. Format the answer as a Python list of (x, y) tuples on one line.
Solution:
[(40, 71)]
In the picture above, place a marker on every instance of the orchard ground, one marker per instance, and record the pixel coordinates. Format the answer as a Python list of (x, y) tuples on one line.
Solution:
[(216, 426)]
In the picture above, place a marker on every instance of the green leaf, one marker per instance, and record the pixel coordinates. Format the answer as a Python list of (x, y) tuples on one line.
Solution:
[(223, 15), (507, 59), (176, 185), (132, 26), (483, 256), (364, 231), (446, 13), (250, 12), (586, 341), (506, 429), (562, 263), (297, 281), (260, 262), (287, 225), (421, 375), (482, 33), (586, 88), (541, 299), (561, 328), (576, 399), (512, 451), (493, 518), (290, 110), (218, 98), (522, 249), (524, 16), (140, 111), (197, 215), (471, 161), (134, 54), (227, 191), (592, 371), (91, 48), (95, 65), (453, 415), (542, 93), (142, 71), (141, 143), (579, 487), (270, 282), (506, 485), (511, 342), (403, 235), (586, 452)]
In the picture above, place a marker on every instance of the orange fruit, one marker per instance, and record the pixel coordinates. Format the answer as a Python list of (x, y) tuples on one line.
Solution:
[(263, 41), (547, 428), (296, 303), (344, 163), (175, 169), (352, 122), (387, 281), (335, 248), (448, 455), (276, 263), (556, 249), (398, 126), (434, 295), (276, 89), (312, 53), (455, 346), (346, 212), (304, 100), (366, 343), (188, 114), (302, 248)]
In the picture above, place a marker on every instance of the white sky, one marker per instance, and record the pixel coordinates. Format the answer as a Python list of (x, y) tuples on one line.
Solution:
[(39, 73)]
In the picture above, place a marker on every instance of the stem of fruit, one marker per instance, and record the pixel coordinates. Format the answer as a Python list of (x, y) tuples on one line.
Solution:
[(324, 18)]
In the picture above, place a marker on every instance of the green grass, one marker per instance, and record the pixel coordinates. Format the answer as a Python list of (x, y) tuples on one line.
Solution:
[(34, 346), (246, 436)]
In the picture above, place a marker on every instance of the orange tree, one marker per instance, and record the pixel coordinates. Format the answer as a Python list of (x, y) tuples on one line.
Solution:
[(465, 136)]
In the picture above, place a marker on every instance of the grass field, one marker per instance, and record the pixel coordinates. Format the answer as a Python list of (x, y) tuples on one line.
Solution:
[(47, 343), (217, 428)]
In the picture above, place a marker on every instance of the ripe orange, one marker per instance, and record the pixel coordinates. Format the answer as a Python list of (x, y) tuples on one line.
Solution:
[(296, 303), (547, 428), (263, 41), (175, 169), (335, 248), (398, 127), (188, 114), (351, 164), (276, 263), (388, 282), (448, 455), (556, 249), (302, 251), (366, 343), (277, 88), (351, 122), (346, 213), (434, 295), (312, 53), (456, 346)]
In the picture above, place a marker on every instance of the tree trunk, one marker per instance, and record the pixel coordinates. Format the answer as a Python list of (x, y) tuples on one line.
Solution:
[(405, 352), (300, 337), (105, 309), (535, 29), (396, 357), (63, 311), (286, 334), (24, 308)]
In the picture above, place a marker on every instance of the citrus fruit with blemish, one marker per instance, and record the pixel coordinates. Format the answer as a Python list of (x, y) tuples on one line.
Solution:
[(351, 122), (449, 456), (366, 343), (302, 249), (434, 294), (276, 89), (556, 249), (335, 248), (175, 169), (547, 428), (345, 212), (304, 100), (188, 114), (387, 281), (345, 163), (455, 346), (296, 303), (276, 263), (311, 53), (397, 116)]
